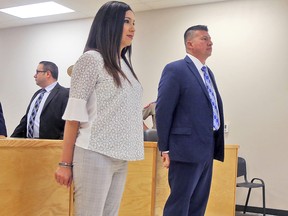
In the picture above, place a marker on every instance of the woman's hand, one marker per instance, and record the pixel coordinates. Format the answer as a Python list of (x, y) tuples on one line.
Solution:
[(63, 175)]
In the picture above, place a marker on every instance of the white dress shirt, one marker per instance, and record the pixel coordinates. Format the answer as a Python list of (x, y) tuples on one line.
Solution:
[(37, 117)]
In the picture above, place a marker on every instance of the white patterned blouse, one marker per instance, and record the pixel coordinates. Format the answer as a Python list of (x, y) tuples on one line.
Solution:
[(110, 117)]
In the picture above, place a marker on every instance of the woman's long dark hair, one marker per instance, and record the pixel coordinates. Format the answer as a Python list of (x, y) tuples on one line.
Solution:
[(105, 36)]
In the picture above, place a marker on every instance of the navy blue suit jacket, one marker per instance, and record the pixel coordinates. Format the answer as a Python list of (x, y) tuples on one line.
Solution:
[(51, 122), (3, 130), (184, 115)]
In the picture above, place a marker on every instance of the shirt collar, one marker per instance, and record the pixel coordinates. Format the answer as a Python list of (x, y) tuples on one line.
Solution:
[(196, 61), (50, 87)]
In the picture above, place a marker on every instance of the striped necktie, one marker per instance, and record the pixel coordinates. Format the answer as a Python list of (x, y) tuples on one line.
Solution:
[(34, 112), (212, 96)]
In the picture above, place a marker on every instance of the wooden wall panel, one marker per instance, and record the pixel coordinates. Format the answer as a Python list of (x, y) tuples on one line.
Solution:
[(139, 195), (222, 196), (27, 185), (28, 188)]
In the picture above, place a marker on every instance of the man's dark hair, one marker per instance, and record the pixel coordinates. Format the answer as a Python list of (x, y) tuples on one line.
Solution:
[(190, 30), (52, 67)]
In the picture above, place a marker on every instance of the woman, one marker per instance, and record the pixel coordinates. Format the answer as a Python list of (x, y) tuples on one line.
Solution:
[(103, 127)]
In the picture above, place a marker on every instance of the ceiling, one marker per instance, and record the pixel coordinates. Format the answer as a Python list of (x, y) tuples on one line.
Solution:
[(85, 9)]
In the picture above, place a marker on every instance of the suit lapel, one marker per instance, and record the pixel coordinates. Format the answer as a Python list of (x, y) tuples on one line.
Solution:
[(51, 96), (33, 97), (195, 72)]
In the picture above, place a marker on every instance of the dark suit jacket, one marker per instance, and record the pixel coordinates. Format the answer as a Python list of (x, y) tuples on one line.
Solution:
[(3, 130), (51, 122), (185, 116)]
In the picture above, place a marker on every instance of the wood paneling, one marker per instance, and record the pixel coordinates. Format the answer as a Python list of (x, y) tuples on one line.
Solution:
[(27, 185), (28, 188), (222, 196), (139, 195)]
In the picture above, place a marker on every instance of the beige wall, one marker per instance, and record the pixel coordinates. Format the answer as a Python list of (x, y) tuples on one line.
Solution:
[(249, 61)]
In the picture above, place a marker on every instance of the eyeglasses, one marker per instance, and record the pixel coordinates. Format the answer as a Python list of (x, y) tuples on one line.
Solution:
[(39, 71)]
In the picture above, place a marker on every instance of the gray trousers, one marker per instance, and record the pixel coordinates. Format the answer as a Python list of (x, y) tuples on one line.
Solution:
[(99, 183)]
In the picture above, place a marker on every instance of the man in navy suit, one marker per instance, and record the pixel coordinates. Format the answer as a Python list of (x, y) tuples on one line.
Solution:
[(48, 122), (3, 131), (189, 138)]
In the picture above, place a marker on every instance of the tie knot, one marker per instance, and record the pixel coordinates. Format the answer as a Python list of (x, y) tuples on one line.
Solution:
[(204, 69), (41, 93)]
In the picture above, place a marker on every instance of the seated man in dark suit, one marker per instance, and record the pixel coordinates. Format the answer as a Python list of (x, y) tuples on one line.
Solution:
[(43, 118), (3, 131)]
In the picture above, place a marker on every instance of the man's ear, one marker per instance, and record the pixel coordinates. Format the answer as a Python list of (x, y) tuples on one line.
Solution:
[(48, 73), (189, 44)]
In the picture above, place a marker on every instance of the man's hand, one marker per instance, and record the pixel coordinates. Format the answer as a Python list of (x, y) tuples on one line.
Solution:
[(165, 160)]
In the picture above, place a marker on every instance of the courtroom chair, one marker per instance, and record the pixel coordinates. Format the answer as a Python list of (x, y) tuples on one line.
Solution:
[(150, 135), (242, 172)]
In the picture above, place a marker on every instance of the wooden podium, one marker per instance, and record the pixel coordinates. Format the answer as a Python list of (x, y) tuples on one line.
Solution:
[(28, 187)]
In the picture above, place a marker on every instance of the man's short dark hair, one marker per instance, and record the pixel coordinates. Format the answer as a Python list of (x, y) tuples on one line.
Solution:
[(190, 30), (52, 67)]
